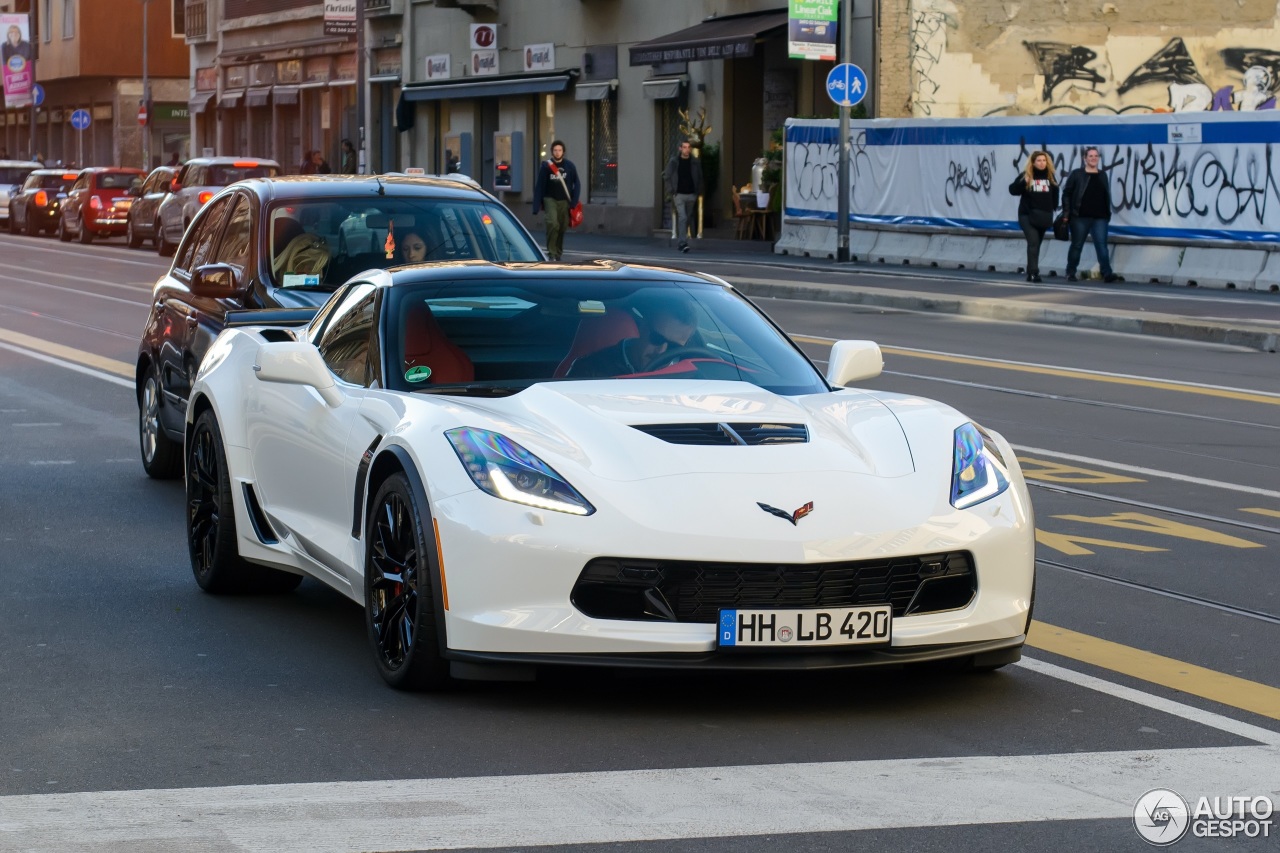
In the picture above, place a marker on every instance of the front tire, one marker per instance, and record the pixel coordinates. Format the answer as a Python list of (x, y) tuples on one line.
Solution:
[(133, 240), (63, 234), (211, 521), (164, 248), (86, 236), (161, 455), (399, 591)]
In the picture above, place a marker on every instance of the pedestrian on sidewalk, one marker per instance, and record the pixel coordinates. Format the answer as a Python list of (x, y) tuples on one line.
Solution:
[(556, 189), (1086, 198), (348, 165), (1038, 187), (683, 180)]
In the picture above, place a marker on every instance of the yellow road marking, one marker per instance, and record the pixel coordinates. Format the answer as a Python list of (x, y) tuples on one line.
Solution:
[(88, 359), (1225, 393), (1056, 472), (1164, 527), (1074, 545), (1274, 513), (1157, 669)]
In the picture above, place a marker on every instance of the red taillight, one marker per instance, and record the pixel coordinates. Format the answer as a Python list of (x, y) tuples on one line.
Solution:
[(41, 199), (245, 164), (205, 196), (70, 176), (95, 203)]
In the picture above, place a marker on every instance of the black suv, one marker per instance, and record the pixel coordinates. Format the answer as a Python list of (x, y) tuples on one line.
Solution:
[(287, 243)]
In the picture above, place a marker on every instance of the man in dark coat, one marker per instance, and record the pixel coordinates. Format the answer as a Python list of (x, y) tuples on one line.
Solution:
[(1086, 198), (683, 180), (556, 189)]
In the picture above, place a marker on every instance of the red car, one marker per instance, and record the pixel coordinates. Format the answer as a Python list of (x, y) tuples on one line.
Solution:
[(98, 203)]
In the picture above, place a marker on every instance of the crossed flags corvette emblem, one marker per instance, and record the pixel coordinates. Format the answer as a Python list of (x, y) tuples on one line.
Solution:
[(792, 517)]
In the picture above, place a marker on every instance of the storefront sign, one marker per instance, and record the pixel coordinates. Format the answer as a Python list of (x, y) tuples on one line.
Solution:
[(345, 67), (811, 29), (438, 66), (539, 57), (318, 69), (484, 63), (484, 36), (170, 112), (206, 79), (340, 17), (19, 73), (237, 76), (289, 71)]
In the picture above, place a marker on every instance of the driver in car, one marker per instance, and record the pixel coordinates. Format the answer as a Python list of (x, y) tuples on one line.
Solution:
[(665, 327)]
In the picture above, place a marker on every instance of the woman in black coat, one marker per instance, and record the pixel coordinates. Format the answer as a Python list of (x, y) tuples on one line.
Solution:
[(1038, 187)]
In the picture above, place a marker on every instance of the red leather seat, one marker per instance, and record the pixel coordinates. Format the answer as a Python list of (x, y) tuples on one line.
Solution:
[(425, 343), (596, 332)]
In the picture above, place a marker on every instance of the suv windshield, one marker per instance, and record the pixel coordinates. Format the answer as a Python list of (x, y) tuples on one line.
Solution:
[(326, 241), (225, 175), (500, 337)]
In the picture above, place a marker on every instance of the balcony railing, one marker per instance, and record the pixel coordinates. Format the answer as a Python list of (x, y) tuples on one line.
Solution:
[(197, 20)]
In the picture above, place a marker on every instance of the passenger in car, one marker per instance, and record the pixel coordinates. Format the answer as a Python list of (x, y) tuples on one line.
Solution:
[(663, 327), (413, 249)]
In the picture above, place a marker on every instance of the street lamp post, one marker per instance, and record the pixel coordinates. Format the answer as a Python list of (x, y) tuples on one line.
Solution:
[(361, 83), (146, 94)]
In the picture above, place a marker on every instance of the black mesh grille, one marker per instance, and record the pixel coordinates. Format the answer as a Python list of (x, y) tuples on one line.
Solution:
[(679, 591), (728, 433)]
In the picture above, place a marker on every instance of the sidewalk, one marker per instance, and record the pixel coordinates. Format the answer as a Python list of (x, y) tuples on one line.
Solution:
[(1241, 318)]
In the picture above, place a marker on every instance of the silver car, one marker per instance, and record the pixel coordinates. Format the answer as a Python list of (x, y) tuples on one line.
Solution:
[(12, 175), (199, 180)]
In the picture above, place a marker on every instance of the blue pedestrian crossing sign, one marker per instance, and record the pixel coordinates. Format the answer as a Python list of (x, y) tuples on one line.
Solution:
[(80, 119), (847, 84)]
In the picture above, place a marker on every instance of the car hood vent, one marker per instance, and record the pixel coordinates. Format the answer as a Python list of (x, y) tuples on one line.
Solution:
[(728, 433)]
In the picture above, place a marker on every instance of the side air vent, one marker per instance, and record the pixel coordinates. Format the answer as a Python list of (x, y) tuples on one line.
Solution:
[(258, 518), (727, 433)]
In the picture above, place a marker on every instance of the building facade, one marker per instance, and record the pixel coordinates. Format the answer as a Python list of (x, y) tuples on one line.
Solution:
[(88, 56)]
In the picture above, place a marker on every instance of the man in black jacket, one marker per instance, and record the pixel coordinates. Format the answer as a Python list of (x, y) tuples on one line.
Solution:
[(557, 190), (683, 180), (1087, 200)]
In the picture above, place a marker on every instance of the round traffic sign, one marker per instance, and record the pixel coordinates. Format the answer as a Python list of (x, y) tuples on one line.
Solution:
[(847, 84), (142, 114), (37, 94), (80, 119)]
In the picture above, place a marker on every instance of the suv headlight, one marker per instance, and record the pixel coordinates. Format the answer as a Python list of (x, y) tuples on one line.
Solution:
[(978, 472), (506, 470)]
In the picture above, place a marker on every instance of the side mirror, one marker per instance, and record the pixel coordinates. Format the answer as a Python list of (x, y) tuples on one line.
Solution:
[(297, 363), (215, 281), (175, 185), (135, 190), (851, 361)]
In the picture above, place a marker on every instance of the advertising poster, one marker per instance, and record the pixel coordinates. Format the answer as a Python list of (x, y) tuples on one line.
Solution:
[(340, 17), (811, 29), (19, 72)]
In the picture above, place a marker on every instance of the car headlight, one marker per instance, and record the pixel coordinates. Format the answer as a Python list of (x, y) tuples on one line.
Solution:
[(978, 472), (506, 470)]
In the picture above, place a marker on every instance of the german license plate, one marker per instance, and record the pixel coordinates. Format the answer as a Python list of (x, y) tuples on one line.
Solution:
[(848, 626)]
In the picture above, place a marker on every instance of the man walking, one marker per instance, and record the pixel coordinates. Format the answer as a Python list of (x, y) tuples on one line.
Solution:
[(1087, 200), (683, 180), (557, 190)]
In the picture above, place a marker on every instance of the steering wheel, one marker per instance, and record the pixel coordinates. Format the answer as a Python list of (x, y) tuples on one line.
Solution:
[(678, 354)]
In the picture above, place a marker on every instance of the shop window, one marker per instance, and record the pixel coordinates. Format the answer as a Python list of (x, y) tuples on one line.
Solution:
[(603, 142)]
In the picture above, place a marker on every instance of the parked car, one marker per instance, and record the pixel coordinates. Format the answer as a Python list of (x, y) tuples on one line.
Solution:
[(143, 213), (197, 182), (286, 243), (13, 174), (37, 208), (517, 465), (98, 203)]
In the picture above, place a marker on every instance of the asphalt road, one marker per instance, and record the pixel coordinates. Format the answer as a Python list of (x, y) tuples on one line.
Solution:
[(137, 713)]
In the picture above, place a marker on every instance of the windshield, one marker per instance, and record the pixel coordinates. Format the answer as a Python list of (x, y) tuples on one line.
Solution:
[(498, 337), (117, 180), (222, 176), (61, 183), (326, 241)]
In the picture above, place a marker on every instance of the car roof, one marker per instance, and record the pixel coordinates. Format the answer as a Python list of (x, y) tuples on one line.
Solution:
[(601, 269), (345, 186), (20, 164), (97, 169), (47, 171), (230, 161)]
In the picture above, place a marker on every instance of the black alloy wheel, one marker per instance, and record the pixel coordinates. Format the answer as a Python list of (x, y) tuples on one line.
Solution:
[(399, 591), (211, 521), (161, 455)]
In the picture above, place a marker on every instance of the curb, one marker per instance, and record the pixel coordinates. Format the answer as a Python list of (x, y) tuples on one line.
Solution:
[(1128, 322)]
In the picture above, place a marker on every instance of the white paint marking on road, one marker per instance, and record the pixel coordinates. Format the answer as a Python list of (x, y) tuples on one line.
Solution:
[(1149, 472), (78, 368), (34, 425), (647, 805), (48, 286), (51, 462), (134, 287), (28, 246)]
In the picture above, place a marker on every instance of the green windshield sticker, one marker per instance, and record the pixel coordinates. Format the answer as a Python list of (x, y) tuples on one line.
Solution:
[(418, 374)]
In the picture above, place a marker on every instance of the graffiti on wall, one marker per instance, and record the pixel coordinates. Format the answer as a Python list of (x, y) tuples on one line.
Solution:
[(928, 43), (1060, 62)]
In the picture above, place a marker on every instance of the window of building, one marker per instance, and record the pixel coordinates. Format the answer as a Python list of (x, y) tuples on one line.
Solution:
[(179, 18), (603, 144), (68, 19), (46, 20)]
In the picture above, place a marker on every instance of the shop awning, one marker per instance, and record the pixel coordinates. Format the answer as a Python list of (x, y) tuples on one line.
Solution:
[(725, 37), (663, 88), (199, 102), (257, 97), (491, 87), (230, 99), (379, 79), (594, 91), (342, 82), (285, 95)]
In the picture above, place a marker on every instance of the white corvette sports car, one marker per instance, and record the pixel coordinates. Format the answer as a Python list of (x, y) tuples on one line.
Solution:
[(525, 464)]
